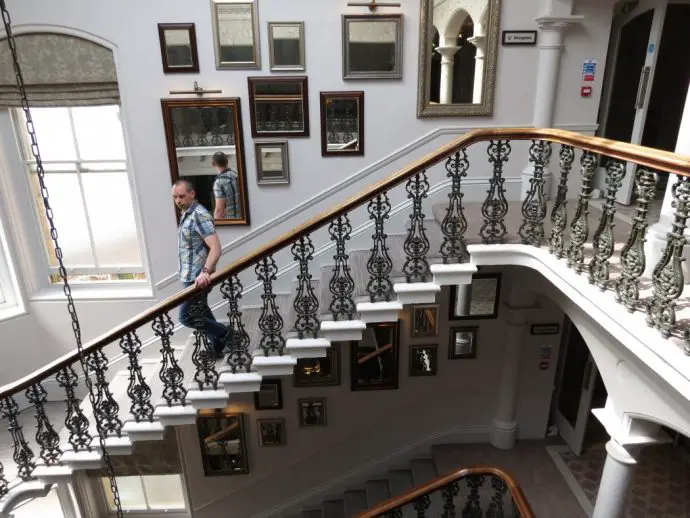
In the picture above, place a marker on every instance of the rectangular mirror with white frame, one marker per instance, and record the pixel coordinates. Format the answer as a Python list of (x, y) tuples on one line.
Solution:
[(236, 33), (458, 48), (272, 162), (286, 45)]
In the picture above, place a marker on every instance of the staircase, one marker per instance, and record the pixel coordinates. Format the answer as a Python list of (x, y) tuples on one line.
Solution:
[(365, 275)]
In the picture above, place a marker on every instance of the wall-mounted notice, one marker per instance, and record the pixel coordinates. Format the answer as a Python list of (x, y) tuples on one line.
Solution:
[(519, 38), (589, 69)]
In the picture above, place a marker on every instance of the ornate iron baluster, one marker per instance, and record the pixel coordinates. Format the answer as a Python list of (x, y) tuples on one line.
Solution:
[(559, 213), (495, 509), (341, 284), (23, 456), (4, 485), (76, 422), (603, 241), (686, 342), (495, 207), (454, 224), (416, 267), (239, 357), (170, 374), (394, 513), (380, 264), (203, 355), (46, 436), (138, 390), (306, 304), (105, 409), (668, 276), (270, 321), (534, 207), (632, 256), (421, 505), (579, 228), (449, 493), (473, 508)]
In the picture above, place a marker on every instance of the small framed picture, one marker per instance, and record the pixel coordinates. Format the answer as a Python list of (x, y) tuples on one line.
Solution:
[(286, 45), (312, 412), (223, 444), (374, 359), (545, 329), (271, 432), (269, 396), (478, 300), (178, 47), (424, 320), (423, 360), (318, 372), (372, 46), (272, 162), (463, 343)]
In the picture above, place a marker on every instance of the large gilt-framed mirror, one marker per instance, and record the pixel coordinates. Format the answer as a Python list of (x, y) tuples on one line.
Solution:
[(204, 138), (458, 48)]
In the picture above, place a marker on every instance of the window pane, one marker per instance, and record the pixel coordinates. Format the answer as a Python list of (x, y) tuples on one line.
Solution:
[(46, 507), (53, 133), (70, 216), (111, 215), (131, 493), (99, 132), (163, 491)]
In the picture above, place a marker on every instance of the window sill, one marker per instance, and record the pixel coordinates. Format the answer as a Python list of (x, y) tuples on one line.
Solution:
[(110, 292), (10, 312)]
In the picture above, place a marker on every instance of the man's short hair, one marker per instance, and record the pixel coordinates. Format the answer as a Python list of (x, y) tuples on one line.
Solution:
[(189, 185), (220, 159)]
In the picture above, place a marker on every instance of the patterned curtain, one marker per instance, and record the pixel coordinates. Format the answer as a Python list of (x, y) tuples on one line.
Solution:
[(59, 70)]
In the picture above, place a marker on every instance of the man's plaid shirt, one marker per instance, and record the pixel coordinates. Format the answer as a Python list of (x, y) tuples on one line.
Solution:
[(195, 226), (225, 187)]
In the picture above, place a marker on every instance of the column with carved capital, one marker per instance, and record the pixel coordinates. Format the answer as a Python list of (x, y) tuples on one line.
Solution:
[(479, 42), (447, 68)]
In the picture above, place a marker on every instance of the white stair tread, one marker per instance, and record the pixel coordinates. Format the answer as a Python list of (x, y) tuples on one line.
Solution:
[(415, 287), (393, 305)]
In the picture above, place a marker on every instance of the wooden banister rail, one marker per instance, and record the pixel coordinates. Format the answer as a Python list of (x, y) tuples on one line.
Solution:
[(439, 483), (651, 158)]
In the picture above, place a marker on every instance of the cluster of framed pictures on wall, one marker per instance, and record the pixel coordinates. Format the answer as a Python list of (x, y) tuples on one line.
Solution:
[(279, 105)]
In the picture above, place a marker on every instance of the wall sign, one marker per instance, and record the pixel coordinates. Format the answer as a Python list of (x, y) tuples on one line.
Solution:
[(589, 69), (519, 38), (544, 329)]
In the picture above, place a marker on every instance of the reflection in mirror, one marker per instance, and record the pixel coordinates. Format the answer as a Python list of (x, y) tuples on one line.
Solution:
[(223, 443), (205, 148), (424, 320), (372, 46), (286, 45), (342, 123), (423, 360), (463, 343), (279, 106), (477, 300), (178, 47), (236, 34), (458, 45), (272, 164)]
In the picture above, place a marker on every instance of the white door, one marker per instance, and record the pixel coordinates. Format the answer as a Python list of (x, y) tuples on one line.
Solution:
[(573, 402)]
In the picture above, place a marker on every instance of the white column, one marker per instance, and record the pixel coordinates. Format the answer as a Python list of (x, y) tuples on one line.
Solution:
[(656, 236), (480, 43), (615, 481), (447, 67)]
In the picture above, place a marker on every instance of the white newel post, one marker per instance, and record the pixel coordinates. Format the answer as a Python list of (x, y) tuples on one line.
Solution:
[(447, 68), (616, 480), (656, 236), (550, 41), (479, 41)]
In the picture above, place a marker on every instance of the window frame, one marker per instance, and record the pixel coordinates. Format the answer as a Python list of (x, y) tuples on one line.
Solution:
[(99, 289), (148, 513), (11, 297)]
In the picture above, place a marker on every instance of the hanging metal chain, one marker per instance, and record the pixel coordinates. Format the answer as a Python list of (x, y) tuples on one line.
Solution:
[(416, 267), (239, 357), (40, 173), (341, 284), (559, 214), (306, 304), (454, 224), (579, 228), (534, 207), (495, 206), (46, 436)]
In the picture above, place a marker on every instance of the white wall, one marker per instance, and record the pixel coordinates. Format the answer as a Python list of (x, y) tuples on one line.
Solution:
[(373, 430), (130, 28)]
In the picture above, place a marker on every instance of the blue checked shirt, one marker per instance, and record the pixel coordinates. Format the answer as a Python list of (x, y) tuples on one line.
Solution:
[(196, 225), (225, 187)]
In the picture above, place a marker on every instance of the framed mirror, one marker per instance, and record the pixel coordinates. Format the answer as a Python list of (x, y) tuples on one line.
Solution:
[(279, 106), (372, 46), (286, 45), (178, 47), (223, 442), (477, 300), (458, 48), (236, 33), (463, 343), (374, 359), (272, 162), (342, 123), (424, 320), (198, 132)]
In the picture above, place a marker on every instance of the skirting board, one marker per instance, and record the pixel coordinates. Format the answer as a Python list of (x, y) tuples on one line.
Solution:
[(399, 457)]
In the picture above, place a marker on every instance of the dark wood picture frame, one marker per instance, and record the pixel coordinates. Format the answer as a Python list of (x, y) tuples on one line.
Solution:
[(174, 69), (497, 299), (276, 436), (276, 388), (413, 368), (230, 103), (348, 149), (391, 364), (302, 98), (332, 363), (317, 419), (218, 425), (415, 331), (474, 333)]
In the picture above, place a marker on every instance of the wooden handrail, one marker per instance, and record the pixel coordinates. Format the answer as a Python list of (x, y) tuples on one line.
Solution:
[(652, 158), (438, 483)]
